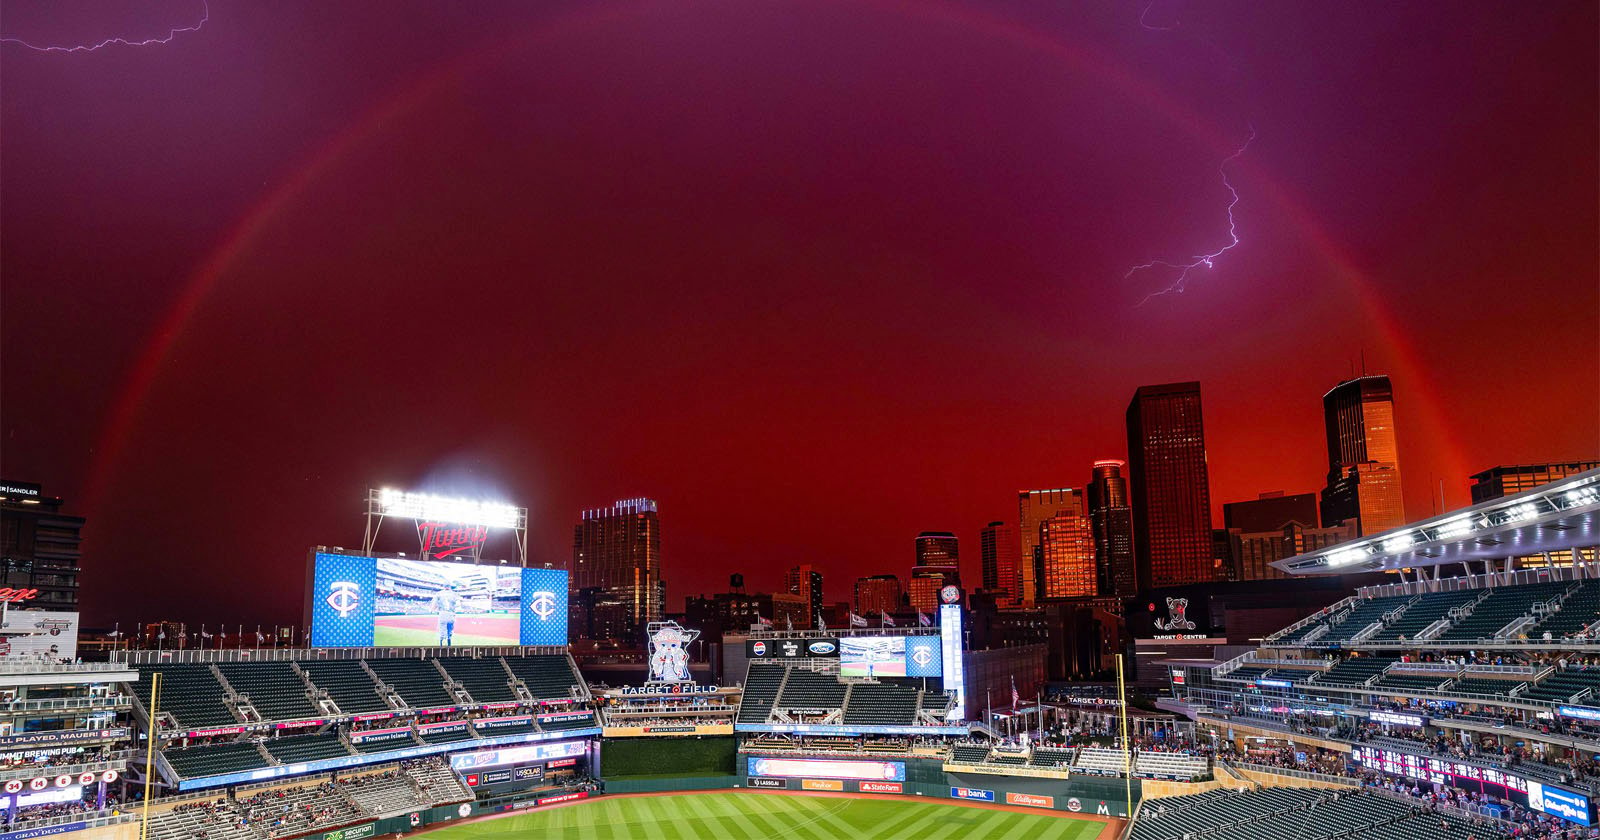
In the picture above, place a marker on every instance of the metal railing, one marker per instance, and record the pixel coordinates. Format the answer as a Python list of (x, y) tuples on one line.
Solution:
[(24, 666), (116, 761), (124, 658), (68, 703)]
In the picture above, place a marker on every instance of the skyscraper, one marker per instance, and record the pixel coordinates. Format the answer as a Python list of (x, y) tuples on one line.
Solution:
[(1363, 457), (804, 580), (1066, 552), (877, 594), (1171, 490), (1501, 481), (1270, 511), (997, 546), (1034, 507), (939, 550), (616, 553), (1111, 520)]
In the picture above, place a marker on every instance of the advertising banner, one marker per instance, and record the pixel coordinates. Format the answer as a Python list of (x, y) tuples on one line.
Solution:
[(36, 634), (882, 787), (972, 793), (1030, 800), (883, 771), (816, 648), (821, 784), (769, 783)]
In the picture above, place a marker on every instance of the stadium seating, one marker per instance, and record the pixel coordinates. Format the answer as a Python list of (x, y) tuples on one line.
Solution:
[(1484, 686), (1355, 671), (1051, 756), (1579, 610), (416, 681), (1564, 686), (486, 680), (387, 792), (547, 676), (1361, 616), (217, 819), (437, 783), (190, 693), (274, 689), (760, 692), (969, 754), (215, 759), (1411, 682), (1501, 607), (348, 684), (1247, 673), (871, 704), (811, 690), (1419, 616), (282, 812), (1170, 765), (298, 748), (1100, 760)]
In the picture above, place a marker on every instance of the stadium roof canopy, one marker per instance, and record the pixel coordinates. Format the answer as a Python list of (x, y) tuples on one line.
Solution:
[(1557, 516)]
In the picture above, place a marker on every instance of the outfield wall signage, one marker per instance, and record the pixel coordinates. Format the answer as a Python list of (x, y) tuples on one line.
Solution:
[(821, 784), (823, 768), (882, 787), (1030, 800), (769, 783), (835, 729), (668, 731), (977, 794)]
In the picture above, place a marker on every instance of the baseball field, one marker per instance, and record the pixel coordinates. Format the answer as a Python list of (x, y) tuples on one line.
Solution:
[(472, 629), (755, 816)]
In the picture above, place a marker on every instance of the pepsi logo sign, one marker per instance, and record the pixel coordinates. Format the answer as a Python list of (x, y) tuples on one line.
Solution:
[(760, 648)]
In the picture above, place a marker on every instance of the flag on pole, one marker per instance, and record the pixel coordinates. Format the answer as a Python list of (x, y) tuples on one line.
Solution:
[(788, 623), (821, 625), (923, 619), (763, 621), (887, 621), (1015, 697), (856, 621)]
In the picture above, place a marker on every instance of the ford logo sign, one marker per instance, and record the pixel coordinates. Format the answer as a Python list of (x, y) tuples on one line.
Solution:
[(820, 647)]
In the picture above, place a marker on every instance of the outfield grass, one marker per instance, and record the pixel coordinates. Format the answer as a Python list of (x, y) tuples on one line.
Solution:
[(753, 816)]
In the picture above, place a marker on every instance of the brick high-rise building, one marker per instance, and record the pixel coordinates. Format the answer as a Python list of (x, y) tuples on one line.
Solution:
[(1171, 488), (1111, 520), (997, 548), (1066, 551), (1363, 457), (805, 581), (616, 566), (877, 594), (1034, 507)]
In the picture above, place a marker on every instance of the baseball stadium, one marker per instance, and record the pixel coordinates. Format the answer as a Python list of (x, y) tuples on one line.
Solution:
[(1430, 708)]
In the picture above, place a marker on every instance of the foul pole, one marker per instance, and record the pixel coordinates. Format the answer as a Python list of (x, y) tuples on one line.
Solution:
[(1127, 746)]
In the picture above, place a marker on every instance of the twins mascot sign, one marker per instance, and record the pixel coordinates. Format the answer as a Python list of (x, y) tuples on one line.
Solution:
[(669, 651)]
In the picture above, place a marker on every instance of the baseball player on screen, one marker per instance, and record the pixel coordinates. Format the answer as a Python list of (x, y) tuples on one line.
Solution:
[(444, 603)]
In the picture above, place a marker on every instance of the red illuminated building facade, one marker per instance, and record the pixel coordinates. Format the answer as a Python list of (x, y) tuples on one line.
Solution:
[(1111, 520), (616, 571), (998, 551), (1171, 488)]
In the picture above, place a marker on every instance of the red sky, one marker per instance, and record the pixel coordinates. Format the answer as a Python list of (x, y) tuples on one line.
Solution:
[(816, 276)]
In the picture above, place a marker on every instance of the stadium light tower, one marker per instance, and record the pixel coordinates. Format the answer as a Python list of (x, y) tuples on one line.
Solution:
[(447, 527)]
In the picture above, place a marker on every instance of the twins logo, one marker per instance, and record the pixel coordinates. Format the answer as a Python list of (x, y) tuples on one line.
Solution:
[(922, 656), (542, 604), (344, 596), (1177, 615)]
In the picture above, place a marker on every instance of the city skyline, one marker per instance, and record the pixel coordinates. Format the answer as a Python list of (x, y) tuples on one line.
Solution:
[(791, 271)]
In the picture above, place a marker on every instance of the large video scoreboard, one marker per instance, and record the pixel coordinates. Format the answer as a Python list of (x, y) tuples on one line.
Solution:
[(357, 601)]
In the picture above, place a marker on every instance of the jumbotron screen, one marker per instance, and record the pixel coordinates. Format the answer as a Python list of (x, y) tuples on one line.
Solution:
[(890, 656), (388, 602)]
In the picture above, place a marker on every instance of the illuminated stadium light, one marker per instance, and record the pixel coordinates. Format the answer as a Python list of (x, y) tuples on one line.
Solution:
[(1347, 556), (1399, 542), (1459, 527), (1522, 512), (1583, 495), (426, 507)]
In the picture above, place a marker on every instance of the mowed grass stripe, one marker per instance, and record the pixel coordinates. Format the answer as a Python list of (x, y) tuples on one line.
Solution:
[(755, 816)]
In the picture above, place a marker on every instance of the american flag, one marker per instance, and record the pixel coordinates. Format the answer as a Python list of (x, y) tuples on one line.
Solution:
[(887, 621), (1015, 697), (923, 619)]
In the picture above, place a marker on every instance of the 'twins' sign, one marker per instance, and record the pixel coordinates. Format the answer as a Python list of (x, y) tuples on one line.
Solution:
[(441, 539)]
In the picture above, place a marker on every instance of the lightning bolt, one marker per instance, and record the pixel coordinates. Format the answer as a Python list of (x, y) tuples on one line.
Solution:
[(1207, 260), (205, 15), (1146, 13)]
